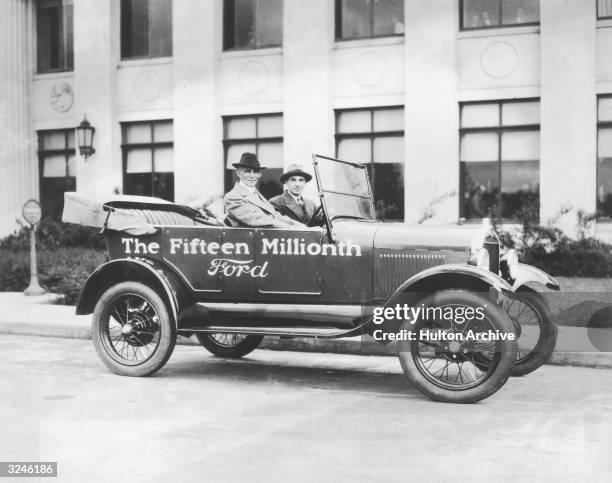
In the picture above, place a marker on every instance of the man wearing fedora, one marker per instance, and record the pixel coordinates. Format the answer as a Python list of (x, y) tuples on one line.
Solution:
[(245, 205), (291, 203)]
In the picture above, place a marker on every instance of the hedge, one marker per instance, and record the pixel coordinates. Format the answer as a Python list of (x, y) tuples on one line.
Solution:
[(62, 271)]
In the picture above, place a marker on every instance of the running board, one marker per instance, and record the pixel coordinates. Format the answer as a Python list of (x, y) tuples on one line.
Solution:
[(314, 332)]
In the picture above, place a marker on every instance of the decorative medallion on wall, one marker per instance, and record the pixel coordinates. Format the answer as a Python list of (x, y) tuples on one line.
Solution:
[(61, 97), (253, 77), (147, 85), (498, 60), (370, 69)]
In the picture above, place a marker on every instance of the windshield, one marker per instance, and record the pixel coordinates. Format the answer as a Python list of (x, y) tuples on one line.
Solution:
[(345, 188)]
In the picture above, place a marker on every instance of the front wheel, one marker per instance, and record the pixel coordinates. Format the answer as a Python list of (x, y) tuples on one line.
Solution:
[(461, 349), (131, 330), (229, 345)]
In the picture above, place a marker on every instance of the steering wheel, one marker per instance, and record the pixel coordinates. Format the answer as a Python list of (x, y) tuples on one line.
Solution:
[(314, 221)]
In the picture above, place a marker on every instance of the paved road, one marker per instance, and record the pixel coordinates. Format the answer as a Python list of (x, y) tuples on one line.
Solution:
[(282, 416)]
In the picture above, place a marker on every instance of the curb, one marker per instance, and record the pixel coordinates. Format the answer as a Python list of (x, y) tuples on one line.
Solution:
[(80, 329)]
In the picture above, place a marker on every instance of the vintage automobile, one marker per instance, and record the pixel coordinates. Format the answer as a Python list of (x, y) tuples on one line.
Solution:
[(173, 270)]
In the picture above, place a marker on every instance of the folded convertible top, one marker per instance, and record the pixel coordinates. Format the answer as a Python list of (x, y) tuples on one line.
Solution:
[(136, 215)]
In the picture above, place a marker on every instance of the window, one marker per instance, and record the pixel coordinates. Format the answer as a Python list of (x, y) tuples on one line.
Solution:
[(148, 159), (262, 135), (54, 36), (482, 14), (252, 24), (146, 28), (375, 137), (357, 19), (57, 169), (604, 156), (499, 159), (604, 9)]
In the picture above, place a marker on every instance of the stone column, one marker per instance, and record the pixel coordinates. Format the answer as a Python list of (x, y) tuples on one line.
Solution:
[(308, 114), (18, 161), (568, 106), (96, 51), (431, 111), (198, 153)]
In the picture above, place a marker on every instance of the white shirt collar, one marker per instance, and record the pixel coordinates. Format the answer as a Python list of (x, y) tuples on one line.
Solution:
[(249, 188), (296, 198)]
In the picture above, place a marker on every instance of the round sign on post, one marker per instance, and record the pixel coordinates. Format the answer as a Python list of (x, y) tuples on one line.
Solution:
[(32, 214)]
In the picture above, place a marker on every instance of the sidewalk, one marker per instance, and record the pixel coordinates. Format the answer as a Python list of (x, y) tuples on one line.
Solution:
[(39, 316)]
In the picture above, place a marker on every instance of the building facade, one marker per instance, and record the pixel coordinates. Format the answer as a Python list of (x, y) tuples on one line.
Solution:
[(461, 108)]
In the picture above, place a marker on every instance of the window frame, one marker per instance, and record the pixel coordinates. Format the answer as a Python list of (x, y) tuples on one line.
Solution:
[(463, 28), (42, 153), (370, 135), (152, 146), (338, 25), (63, 44), (226, 20), (149, 35), (499, 130), (228, 142)]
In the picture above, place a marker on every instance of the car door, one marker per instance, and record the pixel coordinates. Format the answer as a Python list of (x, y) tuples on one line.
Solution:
[(291, 261)]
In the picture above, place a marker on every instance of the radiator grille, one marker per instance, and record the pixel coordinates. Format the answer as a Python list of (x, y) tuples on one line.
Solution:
[(395, 268)]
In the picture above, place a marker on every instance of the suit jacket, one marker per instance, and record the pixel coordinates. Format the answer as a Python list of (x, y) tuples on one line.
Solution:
[(244, 208), (287, 205)]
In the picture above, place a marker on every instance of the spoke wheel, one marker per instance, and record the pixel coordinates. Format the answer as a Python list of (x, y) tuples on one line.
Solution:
[(537, 335), (224, 344), (456, 360), (131, 330)]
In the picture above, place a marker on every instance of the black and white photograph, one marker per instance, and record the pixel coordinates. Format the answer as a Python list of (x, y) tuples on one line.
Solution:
[(306, 240)]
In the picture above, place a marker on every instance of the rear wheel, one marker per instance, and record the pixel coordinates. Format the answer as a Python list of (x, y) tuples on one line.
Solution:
[(132, 330), (537, 335), (456, 359), (223, 344)]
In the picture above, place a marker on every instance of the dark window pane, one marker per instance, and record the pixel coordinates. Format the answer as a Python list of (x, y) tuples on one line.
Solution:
[(269, 184), (604, 8), (388, 17), (161, 28), (604, 186), (356, 19), (163, 186), (69, 34), (52, 195), (520, 187), (134, 28), (269, 22), (48, 29), (245, 23), (480, 188), (389, 191), (138, 184), (480, 13), (515, 12)]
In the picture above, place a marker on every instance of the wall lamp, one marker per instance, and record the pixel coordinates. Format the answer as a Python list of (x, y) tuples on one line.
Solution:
[(85, 135)]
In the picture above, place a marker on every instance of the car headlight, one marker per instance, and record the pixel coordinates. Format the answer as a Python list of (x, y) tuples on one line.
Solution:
[(482, 258), (512, 260)]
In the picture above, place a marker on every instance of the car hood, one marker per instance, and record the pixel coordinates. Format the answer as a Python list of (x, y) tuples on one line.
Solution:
[(398, 236)]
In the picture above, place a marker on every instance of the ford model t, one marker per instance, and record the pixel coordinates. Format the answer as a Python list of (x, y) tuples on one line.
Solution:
[(464, 318)]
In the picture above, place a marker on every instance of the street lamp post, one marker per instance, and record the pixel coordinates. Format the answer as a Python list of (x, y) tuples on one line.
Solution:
[(32, 214)]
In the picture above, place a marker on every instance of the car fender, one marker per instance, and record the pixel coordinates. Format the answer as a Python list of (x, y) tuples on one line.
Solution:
[(526, 274), (144, 270), (451, 276)]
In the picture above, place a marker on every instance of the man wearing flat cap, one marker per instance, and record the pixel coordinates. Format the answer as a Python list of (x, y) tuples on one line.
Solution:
[(291, 203), (246, 206)]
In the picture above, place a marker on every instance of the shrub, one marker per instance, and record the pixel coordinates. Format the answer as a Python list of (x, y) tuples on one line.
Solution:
[(551, 250), (63, 270), (51, 235)]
